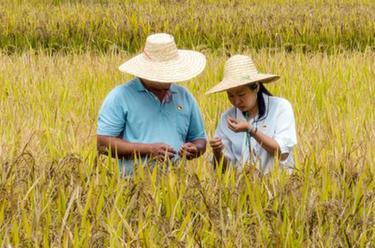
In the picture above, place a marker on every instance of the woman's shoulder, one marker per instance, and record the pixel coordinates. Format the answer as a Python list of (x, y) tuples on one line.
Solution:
[(279, 103), (229, 112)]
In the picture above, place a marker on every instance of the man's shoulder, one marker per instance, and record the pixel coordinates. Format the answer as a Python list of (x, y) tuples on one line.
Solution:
[(130, 84), (122, 89)]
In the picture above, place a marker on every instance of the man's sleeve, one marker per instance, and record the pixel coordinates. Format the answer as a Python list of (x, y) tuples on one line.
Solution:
[(196, 125), (112, 115)]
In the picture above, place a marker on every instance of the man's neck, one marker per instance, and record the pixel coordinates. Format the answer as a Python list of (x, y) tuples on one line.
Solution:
[(160, 92)]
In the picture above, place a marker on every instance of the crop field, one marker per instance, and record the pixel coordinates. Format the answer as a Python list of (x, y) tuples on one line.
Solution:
[(59, 59)]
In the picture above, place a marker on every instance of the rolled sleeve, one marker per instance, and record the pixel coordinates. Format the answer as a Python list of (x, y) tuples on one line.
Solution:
[(285, 133), (112, 115)]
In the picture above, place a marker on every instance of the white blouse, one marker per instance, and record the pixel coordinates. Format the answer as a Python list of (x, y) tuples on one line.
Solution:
[(277, 123)]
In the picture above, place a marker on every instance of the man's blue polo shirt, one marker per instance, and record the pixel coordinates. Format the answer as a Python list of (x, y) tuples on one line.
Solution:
[(132, 112)]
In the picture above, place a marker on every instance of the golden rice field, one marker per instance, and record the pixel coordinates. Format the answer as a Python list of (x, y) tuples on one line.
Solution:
[(56, 192), (109, 25)]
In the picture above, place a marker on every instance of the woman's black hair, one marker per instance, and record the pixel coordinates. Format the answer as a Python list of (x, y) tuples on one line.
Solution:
[(260, 99)]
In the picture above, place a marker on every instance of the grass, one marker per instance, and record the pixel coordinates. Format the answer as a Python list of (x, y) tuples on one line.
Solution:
[(55, 192), (110, 26)]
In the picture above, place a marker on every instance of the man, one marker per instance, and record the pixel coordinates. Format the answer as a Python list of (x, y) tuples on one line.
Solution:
[(150, 116)]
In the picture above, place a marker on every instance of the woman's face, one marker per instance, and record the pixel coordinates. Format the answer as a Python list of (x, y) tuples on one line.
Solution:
[(243, 97)]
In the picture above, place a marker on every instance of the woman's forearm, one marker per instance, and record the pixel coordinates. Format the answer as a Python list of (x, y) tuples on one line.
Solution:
[(218, 157), (268, 143)]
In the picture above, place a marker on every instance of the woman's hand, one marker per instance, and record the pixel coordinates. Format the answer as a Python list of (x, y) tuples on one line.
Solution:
[(237, 126), (216, 145), (217, 148)]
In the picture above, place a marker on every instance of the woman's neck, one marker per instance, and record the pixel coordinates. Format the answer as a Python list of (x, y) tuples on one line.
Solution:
[(253, 111)]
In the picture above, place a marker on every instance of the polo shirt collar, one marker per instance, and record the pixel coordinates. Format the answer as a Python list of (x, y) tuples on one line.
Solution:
[(141, 88)]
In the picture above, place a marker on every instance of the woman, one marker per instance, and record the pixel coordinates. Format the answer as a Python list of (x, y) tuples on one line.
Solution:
[(260, 128)]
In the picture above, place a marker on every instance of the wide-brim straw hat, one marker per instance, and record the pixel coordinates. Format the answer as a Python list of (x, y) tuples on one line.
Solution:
[(162, 62), (240, 70)]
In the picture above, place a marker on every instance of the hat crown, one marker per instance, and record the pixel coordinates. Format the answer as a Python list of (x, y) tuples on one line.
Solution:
[(160, 47), (240, 67)]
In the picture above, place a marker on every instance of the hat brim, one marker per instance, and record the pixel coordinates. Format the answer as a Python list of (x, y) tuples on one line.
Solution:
[(227, 84), (187, 65)]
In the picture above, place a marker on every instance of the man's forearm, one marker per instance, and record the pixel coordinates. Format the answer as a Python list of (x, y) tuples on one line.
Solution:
[(120, 148)]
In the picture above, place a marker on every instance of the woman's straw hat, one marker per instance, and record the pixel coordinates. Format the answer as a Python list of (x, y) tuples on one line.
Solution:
[(162, 62), (240, 70)]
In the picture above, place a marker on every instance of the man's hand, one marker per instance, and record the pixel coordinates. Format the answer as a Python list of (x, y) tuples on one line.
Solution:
[(161, 151), (189, 150), (237, 126)]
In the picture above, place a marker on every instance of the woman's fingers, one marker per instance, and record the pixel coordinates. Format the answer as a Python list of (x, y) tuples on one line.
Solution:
[(216, 143), (214, 140), (231, 119), (218, 147), (231, 127), (232, 123)]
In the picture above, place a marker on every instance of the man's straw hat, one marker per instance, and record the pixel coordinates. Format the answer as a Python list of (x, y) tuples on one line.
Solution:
[(240, 70), (162, 62)]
